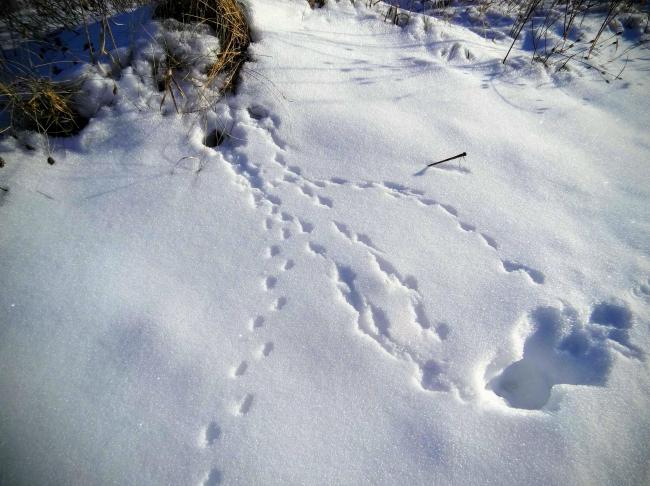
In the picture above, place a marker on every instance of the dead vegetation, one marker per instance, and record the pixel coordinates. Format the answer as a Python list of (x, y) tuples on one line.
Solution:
[(229, 20), (551, 30), (30, 99), (33, 98), (35, 19), (41, 105)]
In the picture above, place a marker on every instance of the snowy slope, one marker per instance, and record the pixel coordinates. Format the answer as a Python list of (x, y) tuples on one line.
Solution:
[(305, 304)]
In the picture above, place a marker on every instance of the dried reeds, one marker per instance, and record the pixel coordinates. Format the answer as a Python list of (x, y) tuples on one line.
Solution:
[(41, 105), (229, 20)]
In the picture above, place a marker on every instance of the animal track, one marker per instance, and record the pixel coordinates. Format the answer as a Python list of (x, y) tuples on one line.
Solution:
[(307, 191), (267, 121), (467, 227), (421, 316), (325, 201), (365, 239), (489, 241), (305, 226), (257, 322), (316, 249), (563, 350), (345, 278), (612, 314), (245, 404), (214, 478), (343, 229), (393, 189), (373, 322), (433, 377), (240, 370), (535, 275), (401, 191), (270, 282), (401, 325), (290, 178), (451, 210), (211, 434), (258, 112), (442, 329), (395, 186), (267, 348), (616, 318), (387, 268), (280, 303)]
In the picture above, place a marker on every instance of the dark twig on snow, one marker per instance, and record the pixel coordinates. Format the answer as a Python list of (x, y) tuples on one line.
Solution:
[(447, 160)]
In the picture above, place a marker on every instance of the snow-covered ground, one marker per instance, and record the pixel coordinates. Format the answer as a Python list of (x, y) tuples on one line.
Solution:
[(305, 304)]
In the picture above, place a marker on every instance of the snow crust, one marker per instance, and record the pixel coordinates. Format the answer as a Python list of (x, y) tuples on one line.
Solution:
[(305, 303)]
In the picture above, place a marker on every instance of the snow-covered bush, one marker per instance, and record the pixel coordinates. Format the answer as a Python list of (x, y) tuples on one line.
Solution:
[(61, 59), (557, 33)]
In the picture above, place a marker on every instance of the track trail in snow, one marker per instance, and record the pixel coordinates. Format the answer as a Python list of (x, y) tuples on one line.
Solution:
[(300, 217), (278, 292), (372, 321)]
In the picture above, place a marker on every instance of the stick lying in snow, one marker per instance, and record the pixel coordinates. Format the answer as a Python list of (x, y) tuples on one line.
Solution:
[(422, 172), (447, 160)]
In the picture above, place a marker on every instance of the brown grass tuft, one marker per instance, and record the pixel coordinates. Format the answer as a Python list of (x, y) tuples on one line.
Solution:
[(41, 105), (229, 20)]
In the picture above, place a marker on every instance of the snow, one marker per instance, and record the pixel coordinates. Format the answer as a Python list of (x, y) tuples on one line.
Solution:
[(304, 304)]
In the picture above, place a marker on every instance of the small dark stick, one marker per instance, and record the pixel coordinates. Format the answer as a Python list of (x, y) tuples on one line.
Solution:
[(447, 160), (2, 162)]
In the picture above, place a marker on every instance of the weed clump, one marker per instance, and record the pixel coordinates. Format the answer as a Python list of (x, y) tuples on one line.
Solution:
[(41, 105), (229, 20), (33, 19), (557, 33), (30, 98)]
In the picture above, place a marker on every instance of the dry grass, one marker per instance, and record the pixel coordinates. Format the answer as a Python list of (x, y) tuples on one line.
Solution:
[(41, 105), (30, 102), (234, 36), (544, 18), (229, 20), (36, 18), (553, 29)]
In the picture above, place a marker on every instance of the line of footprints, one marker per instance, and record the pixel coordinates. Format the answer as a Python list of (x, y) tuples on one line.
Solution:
[(284, 224), (212, 433)]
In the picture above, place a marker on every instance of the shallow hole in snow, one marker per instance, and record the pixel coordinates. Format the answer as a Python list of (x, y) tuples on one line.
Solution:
[(214, 138)]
